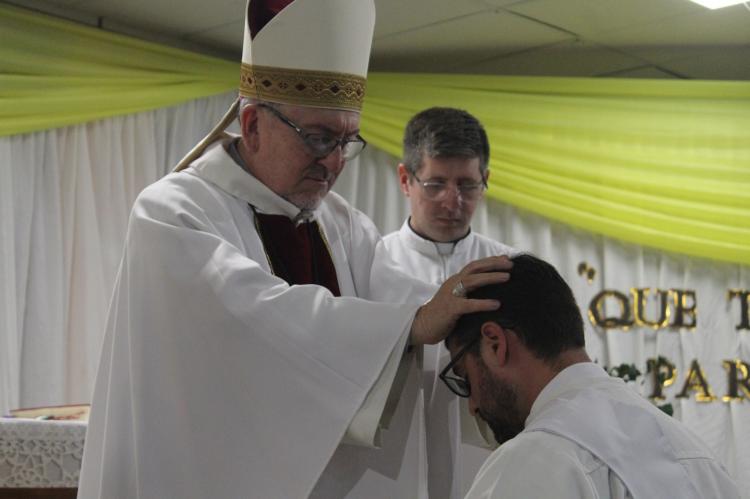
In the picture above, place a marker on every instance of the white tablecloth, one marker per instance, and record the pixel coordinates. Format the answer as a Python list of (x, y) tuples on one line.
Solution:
[(40, 453)]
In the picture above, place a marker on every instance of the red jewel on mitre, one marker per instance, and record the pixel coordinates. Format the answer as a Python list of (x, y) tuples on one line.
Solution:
[(260, 13)]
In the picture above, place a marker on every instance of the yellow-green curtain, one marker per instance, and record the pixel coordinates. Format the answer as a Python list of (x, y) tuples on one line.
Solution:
[(665, 164), (55, 73)]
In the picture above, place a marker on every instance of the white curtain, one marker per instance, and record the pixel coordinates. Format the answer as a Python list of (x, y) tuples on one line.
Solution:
[(65, 196)]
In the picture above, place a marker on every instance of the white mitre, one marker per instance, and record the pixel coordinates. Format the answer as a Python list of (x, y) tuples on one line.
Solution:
[(311, 53), (301, 52)]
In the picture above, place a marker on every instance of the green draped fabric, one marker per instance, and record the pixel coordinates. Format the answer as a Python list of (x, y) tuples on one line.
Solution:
[(664, 164), (55, 73)]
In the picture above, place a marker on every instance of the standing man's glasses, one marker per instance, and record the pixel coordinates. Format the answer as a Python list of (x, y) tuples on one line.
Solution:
[(436, 189), (321, 145), (458, 385)]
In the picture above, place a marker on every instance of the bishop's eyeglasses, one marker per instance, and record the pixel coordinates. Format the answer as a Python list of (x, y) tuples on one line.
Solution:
[(457, 384), (319, 144), (437, 189)]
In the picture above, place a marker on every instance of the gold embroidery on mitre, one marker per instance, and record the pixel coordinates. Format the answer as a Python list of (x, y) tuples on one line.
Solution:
[(302, 87)]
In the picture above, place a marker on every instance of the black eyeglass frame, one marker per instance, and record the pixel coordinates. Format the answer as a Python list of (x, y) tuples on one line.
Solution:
[(450, 379), (305, 136), (425, 183)]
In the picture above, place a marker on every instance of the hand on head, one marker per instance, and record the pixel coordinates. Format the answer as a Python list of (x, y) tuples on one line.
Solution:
[(435, 319)]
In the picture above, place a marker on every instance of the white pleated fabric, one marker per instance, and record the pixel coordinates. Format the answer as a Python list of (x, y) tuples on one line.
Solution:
[(65, 197)]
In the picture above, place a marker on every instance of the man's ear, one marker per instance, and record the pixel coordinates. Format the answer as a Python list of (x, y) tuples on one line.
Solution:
[(494, 347), (403, 178), (249, 127)]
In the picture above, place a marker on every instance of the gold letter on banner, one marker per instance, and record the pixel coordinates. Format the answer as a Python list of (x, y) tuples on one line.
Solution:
[(682, 309), (596, 314), (744, 298), (640, 296), (735, 382), (696, 380), (663, 374)]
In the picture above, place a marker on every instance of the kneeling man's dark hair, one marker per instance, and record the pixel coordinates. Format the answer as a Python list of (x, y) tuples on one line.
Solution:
[(535, 303)]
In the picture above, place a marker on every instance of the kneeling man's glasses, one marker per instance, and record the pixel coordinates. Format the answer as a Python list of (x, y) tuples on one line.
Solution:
[(321, 145), (457, 384)]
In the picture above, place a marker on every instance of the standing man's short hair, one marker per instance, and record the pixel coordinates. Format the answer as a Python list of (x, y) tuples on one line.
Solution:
[(536, 304), (444, 132)]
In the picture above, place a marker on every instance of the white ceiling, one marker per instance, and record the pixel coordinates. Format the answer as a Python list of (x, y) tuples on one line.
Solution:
[(623, 38)]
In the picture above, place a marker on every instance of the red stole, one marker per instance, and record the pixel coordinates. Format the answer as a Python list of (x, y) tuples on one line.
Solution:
[(297, 253)]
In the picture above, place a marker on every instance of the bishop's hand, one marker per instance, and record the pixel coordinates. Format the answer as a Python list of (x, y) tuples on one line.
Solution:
[(435, 319)]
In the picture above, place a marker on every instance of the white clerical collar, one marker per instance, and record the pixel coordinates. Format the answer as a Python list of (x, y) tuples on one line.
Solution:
[(432, 248), (218, 167), (582, 374)]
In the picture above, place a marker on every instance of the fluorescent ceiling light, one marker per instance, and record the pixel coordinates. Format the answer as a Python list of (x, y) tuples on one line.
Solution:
[(717, 4)]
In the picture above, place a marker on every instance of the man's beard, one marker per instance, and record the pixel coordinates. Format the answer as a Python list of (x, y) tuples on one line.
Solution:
[(305, 201), (310, 200), (498, 406)]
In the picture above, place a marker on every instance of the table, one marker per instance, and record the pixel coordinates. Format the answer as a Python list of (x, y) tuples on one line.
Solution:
[(40, 459)]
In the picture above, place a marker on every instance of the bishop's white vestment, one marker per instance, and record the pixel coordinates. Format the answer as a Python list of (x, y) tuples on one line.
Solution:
[(456, 444), (590, 436), (219, 379)]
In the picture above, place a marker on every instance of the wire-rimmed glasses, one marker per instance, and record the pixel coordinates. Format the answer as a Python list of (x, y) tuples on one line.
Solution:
[(319, 144), (436, 189)]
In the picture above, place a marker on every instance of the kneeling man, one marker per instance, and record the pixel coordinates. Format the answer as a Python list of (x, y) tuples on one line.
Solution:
[(567, 429)]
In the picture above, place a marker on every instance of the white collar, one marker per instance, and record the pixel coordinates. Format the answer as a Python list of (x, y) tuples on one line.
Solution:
[(433, 248), (218, 167), (574, 377)]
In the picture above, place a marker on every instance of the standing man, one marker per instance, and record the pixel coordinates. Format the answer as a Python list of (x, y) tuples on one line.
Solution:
[(567, 429), (444, 174), (252, 331)]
